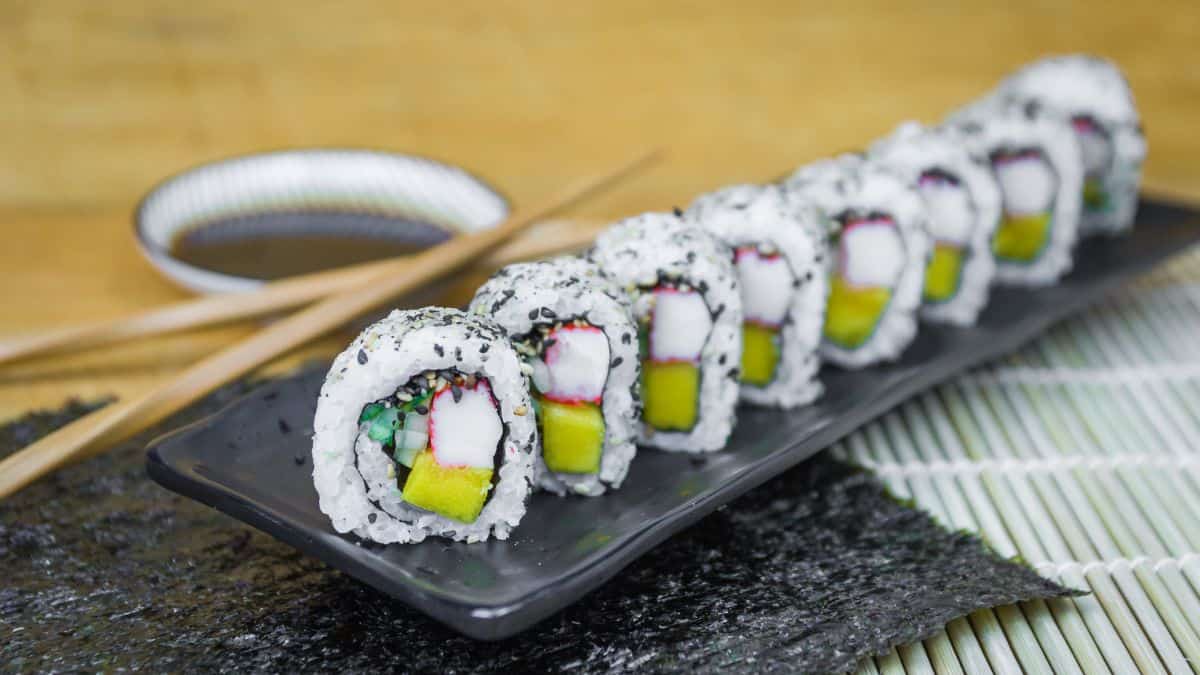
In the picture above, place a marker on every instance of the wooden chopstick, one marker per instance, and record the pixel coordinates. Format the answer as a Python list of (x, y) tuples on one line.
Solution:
[(114, 423), (273, 297)]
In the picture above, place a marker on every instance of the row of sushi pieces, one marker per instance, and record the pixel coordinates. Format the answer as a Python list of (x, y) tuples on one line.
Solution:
[(440, 422)]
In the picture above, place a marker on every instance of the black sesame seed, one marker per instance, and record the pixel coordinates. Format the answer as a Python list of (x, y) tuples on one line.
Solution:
[(677, 211), (362, 357), (484, 347), (458, 353), (533, 314), (548, 313), (422, 410), (284, 427), (299, 460), (616, 362), (372, 517), (723, 358), (438, 349), (626, 338)]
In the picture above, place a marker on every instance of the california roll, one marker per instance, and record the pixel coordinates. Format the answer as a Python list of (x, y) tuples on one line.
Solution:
[(876, 224), (779, 252), (962, 202), (683, 286), (424, 427), (1039, 170), (574, 332), (1090, 95)]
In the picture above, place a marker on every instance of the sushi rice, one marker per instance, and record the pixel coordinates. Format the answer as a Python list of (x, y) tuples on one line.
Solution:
[(779, 252), (575, 333)]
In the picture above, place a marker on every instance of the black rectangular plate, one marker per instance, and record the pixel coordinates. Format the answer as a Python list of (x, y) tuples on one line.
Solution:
[(244, 460)]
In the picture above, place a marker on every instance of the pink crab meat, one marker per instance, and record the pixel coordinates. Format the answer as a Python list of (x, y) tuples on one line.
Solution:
[(577, 364), (949, 207), (464, 432), (1027, 182), (766, 283), (680, 325), (871, 253)]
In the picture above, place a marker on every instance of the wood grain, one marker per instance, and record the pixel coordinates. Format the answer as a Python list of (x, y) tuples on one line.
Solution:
[(98, 101)]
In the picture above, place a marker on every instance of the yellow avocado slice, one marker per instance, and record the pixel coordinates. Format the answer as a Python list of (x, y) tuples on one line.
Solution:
[(853, 312), (943, 273), (670, 393), (572, 436), (1021, 238), (760, 354), (456, 492)]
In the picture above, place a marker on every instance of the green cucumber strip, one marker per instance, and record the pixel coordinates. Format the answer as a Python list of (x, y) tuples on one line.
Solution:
[(384, 425), (370, 412), (406, 456)]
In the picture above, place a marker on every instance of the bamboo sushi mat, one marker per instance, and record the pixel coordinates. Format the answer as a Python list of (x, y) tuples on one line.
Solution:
[(1081, 455)]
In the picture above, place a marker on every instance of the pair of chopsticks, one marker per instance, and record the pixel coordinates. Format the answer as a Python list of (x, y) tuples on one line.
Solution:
[(337, 296), (211, 310)]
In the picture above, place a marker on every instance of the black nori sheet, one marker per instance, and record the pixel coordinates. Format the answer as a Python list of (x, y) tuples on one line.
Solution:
[(104, 569)]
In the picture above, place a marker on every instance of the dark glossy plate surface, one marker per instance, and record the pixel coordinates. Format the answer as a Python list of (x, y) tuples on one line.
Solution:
[(252, 461)]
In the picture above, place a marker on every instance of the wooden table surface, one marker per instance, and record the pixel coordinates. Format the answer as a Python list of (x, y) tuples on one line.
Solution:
[(98, 101)]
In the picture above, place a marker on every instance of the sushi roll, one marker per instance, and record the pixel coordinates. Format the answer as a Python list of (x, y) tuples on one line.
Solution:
[(575, 334), (879, 247), (685, 300), (778, 252), (424, 427), (1092, 96), (1039, 170), (962, 203)]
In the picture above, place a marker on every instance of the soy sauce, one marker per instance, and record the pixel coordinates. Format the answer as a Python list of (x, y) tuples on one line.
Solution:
[(272, 245)]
